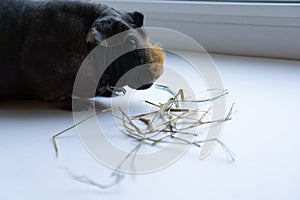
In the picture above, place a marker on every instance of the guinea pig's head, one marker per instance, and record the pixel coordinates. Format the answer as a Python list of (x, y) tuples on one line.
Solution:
[(141, 66)]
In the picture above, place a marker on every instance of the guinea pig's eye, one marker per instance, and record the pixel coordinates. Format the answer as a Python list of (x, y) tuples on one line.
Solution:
[(132, 43)]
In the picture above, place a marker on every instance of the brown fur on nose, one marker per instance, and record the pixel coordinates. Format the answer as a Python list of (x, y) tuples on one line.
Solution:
[(156, 56)]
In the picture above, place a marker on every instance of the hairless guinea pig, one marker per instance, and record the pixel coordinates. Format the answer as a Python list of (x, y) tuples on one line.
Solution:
[(44, 43)]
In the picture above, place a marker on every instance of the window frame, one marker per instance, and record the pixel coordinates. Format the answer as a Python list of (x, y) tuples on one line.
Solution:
[(239, 28)]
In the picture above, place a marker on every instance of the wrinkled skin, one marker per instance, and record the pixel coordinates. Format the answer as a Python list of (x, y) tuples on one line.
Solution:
[(42, 46)]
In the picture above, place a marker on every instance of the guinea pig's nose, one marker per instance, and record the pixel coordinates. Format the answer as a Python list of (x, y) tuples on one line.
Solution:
[(146, 86)]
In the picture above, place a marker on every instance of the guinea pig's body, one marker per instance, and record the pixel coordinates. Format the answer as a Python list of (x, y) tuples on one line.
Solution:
[(42, 45)]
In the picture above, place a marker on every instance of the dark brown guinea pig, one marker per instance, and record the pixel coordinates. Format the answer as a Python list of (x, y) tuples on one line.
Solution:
[(43, 44)]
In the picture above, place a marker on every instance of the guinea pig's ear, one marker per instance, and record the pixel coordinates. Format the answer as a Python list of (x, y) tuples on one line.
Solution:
[(94, 36), (138, 18)]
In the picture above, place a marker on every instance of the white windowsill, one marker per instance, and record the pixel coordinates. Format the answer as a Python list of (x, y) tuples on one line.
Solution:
[(263, 133)]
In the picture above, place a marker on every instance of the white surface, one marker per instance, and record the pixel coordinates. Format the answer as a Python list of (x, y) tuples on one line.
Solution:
[(264, 134)]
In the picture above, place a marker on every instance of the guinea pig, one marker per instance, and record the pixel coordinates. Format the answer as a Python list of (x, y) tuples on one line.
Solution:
[(43, 44)]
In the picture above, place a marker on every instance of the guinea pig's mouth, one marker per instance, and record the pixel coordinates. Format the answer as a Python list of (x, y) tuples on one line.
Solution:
[(109, 90), (122, 90), (145, 86), (112, 91), (116, 91)]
